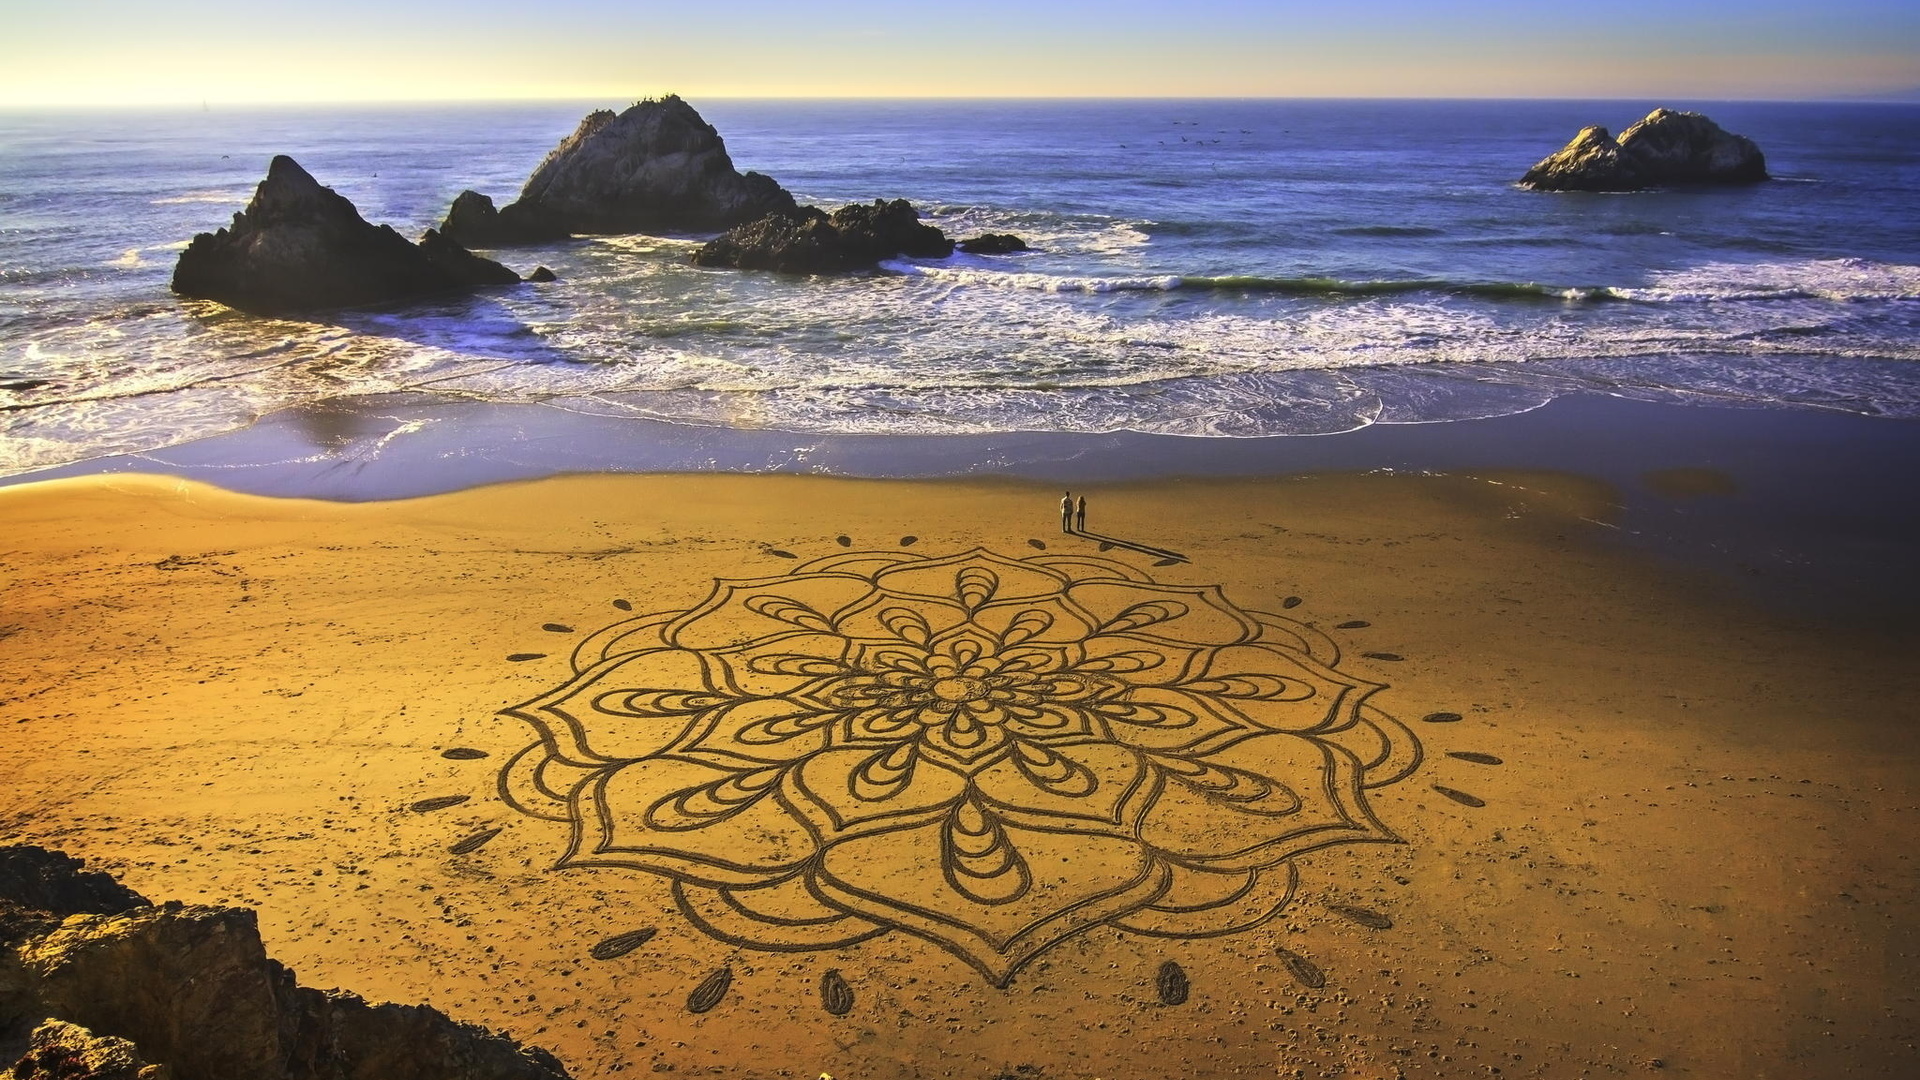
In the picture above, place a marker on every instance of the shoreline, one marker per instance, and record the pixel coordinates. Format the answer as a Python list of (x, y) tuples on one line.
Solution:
[(1698, 817), (1789, 506)]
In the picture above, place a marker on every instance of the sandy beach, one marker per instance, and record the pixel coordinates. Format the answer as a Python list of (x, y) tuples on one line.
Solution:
[(1585, 813)]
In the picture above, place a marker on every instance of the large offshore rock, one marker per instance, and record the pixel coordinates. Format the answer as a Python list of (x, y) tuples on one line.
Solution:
[(191, 988), (1666, 148), (301, 247), (657, 167), (811, 241)]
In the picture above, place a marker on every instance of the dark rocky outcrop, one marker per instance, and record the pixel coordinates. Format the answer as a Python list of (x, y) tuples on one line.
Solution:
[(811, 241), (1666, 149), (301, 247), (657, 167), (191, 988), (542, 274), (42, 880), (62, 1051), (472, 219), (993, 244)]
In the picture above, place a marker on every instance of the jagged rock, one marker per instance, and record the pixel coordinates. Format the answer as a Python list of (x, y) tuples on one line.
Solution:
[(542, 274), (299, 246), (58, 883), (658, 167), (993, 244), (810, 241), (191, 987), (63, 1051), (1667, 148), (472, 219)]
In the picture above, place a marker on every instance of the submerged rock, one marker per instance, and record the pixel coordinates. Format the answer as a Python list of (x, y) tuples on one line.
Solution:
[(1666, 148), (300, 247), (657, 167), (993, 244), (542, 274), (191, 988), (811, 241)]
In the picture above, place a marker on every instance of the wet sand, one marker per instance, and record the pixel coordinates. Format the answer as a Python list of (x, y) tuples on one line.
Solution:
[(1671, 828)]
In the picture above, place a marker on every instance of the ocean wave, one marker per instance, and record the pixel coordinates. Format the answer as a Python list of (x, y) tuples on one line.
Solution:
[(1843, 280), (1246, 283)]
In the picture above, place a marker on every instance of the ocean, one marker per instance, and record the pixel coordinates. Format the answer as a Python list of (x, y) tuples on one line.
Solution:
[(1219, 269)]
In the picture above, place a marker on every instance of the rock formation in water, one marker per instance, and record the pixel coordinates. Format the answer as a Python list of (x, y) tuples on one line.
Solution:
[(811, 241), (993, 244), (302, 247), (1667, 148), (190, 989), (658, 167)]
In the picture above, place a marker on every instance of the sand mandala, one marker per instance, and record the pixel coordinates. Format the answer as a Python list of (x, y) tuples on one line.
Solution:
[(991, 753)]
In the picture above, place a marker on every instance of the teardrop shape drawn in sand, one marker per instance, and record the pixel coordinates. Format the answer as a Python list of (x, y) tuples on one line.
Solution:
[(1382, 656), (843, 541), (801, 724), (1368, 918), (1442, 718), (835, 995), (523, 657), (475, 842), (1353, 624), (1290, 602), (438, 802), (1172, 984), (463, 753), (1460, 797), (557, 628), (621, 944), (1304, 971), (909, 541), (1475, 756), (780, 554), (1040, 545), (623, 605), (711, 991)]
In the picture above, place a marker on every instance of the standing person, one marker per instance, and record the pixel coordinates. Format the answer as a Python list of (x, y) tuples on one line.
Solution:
[(1066, 512), (1080, 515)]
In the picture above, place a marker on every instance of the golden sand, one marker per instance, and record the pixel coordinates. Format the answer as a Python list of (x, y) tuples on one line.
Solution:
[(1694, 853)]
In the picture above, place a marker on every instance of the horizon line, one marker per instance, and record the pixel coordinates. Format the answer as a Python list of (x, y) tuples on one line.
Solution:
[(1907, 96)]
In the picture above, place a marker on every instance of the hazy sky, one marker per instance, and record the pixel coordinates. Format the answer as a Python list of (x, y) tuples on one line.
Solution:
[(166, 51)]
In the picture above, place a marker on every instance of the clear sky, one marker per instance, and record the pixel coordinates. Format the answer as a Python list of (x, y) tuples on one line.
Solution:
[(236, 51)]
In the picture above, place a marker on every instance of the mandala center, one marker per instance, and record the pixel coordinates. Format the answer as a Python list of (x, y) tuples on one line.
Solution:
[(959, 688)]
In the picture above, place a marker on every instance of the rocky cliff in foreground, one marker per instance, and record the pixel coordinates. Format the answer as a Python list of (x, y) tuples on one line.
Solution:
[(1665, 149), (657, 167), (187, 992), (299, 246)]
